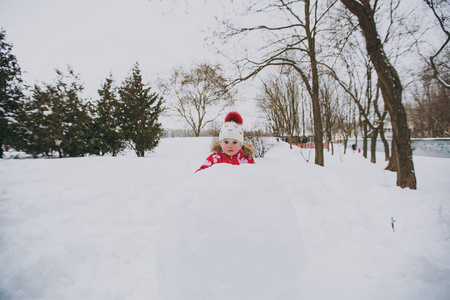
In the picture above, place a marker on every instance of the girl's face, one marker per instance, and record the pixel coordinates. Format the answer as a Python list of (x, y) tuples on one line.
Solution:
[(230, 146)]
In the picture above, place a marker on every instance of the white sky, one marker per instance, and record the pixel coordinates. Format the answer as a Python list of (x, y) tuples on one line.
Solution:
[(97, 37)]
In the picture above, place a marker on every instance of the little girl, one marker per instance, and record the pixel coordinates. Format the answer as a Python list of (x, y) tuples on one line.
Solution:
[(230, 148)]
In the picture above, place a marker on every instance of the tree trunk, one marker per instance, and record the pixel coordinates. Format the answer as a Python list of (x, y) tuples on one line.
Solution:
[(365, 137), (392, 165), (196, 130), (391, 89), (345, 144), (373, 146), (318, 129), (387, 155)]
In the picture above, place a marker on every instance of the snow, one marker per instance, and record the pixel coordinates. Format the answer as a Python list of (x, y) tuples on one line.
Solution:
[(236, 239), (150, 228)]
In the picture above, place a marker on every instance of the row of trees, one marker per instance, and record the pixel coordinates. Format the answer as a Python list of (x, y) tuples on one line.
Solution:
[(54, 118), (344, 115), (330, 53), (321, 40)]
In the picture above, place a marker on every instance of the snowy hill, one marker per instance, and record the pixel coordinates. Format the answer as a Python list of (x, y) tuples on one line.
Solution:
[(113, 227)]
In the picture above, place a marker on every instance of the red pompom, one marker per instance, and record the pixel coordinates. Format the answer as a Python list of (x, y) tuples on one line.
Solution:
[(234, 117)]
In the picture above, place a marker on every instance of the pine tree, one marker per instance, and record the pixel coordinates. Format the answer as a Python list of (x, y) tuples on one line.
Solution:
[(56, 119), (75, 118), (40, 123), (11, 94), (106, 125), (139, 113)]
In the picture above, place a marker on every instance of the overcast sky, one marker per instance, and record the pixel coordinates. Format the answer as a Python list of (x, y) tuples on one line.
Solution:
[(97, 37)]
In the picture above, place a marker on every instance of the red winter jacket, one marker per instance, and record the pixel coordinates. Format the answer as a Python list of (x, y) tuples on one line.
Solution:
[(218, 157)]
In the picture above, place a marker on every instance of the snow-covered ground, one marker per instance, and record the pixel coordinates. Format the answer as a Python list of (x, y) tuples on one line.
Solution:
[(149, 228)]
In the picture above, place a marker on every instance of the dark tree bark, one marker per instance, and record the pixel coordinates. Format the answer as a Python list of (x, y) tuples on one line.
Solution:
[(387, 156), (391, 89), (392, 165), (365, 138), (318, 128), (373, 145), (380, 127)]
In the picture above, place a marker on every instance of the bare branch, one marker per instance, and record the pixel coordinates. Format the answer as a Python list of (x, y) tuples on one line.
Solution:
[(431, 5)]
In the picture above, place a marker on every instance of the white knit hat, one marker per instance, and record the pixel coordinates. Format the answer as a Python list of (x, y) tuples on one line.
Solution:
[(232, 129)]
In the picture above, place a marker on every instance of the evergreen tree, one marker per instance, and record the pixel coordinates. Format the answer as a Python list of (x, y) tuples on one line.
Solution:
[(11, 94), (40, 123), (106, 126), (56, 119), (139, 112), (75, 118)]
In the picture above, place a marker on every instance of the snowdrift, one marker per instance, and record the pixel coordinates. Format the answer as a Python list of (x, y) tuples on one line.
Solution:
[(149, 228), (232, 234)]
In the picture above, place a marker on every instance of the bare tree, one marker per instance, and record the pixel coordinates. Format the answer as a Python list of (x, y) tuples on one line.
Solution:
[(329, 112), (391, 89), (357, 82), (280, 101), (351, 66), (440, 9), (379, 129), (430, 111), (346, 115), (201, 94), (290, 40), (260, 141)]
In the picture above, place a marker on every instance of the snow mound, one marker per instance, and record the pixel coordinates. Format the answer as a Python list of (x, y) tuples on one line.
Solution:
[(232, 235)]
